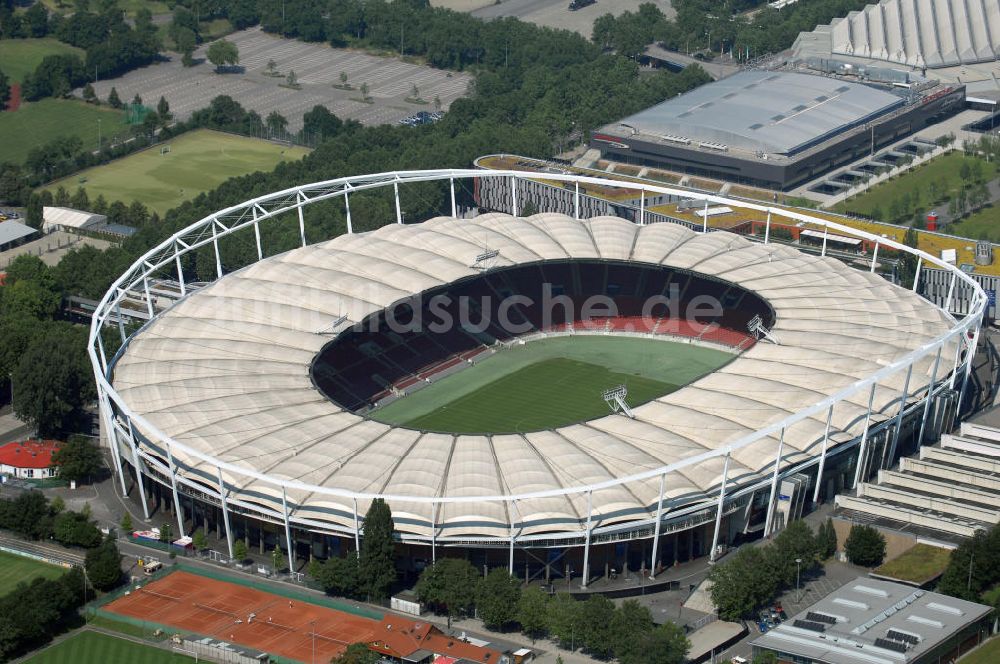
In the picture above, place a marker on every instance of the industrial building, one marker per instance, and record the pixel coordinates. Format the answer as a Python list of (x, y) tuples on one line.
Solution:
[(776, 129), (869, 621)]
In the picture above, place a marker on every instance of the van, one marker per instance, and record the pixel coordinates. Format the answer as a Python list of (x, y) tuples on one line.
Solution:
[(152, 567)]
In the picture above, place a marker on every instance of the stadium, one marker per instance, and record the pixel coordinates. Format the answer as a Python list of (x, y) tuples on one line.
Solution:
[(614, 393)]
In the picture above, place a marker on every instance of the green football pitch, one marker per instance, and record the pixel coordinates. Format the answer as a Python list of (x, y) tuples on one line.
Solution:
[(198, 161), (20, 56), (95, 648), (38, 122), (16, 569), (551, 383)]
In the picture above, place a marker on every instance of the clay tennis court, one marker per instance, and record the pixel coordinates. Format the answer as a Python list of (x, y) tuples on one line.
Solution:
[(215, 608)]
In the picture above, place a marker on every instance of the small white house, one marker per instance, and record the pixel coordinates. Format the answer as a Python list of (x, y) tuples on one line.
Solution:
[(31, 459)]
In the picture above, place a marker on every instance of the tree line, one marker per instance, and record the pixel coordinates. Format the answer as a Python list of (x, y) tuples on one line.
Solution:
[(33, 612), (712, 27), (112, 46)]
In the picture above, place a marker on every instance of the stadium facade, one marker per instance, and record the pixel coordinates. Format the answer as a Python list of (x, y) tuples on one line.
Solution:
[(214, 411), (776, 129)]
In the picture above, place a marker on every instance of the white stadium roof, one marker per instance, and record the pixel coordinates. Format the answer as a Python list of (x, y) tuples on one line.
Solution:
[(916, 33), (226, 371)]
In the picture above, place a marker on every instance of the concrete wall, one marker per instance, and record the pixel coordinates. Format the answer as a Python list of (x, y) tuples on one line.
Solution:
[(896, 543)]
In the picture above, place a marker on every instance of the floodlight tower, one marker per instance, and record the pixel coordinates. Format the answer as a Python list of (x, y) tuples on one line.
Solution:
[(615, 398)]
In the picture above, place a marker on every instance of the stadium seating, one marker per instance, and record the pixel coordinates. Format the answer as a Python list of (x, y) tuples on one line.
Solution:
[(380, 357)]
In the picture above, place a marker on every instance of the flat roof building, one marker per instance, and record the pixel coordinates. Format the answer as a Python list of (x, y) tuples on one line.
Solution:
[(868, 621), (772, 128)]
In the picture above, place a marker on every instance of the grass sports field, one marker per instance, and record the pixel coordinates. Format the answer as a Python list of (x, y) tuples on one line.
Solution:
[(15, 569), (39, 121), (198, 161), (550, 383), (94, 648), (20, 56)]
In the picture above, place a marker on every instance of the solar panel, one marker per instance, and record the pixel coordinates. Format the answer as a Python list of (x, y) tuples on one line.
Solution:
[(821, 618), (902, 636), (895, 646), (810, 625)]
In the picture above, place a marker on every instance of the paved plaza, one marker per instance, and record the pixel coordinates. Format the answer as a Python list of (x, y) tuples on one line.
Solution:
[(555, 13), (317, 68)]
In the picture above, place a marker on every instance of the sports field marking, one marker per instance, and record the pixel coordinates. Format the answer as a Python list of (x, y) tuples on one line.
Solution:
[(16, 569), (198, 161), (550, 383), (280, 625), (94, 648)]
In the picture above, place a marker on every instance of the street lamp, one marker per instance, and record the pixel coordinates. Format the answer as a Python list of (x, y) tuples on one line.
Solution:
[(798, 570), (312, 660)]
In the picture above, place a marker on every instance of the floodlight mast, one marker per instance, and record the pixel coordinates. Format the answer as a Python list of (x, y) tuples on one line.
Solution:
[(615, 398), (485, 260), (756, 327)]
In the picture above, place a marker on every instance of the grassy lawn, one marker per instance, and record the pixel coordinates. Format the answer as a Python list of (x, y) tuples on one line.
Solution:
[(20, 56), (918, 565), (94, 648), (16, 569), (41, 121), (983, 224), (198, 161), (551, 383), (988, 653), (943, 170)]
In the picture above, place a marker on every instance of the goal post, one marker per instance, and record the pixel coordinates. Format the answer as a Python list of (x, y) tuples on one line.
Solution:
[(165, 149)]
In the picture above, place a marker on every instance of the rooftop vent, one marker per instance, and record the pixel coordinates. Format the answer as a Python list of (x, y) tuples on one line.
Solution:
[(945, 608), (868, 590)]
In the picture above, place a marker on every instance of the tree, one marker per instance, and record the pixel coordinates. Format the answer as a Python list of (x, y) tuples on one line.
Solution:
[(275, 557), (564, 620), (166, 532), (272, 68), (449, 584), (75, 529), (343, 79), (276, 123), (4, 90), (597, 614), (240, 551), (27, 515), (865, 546), (199, 540), (907, 266), (185, 40), (532, 612), (742, 583), (126, 523), (497, 598), (163, 111), (630, 623), (113, 99), (665, 644), (54, 380), (377, 564), (292, 80), (338, 576), (826, 538), (356, 653), (364, 91), (77, 458), (437, 103), (223, 53), (104, 565), (89, 95), (137, 100), (415, 92)]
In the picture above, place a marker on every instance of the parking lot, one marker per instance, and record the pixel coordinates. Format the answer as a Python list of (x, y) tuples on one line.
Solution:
[(555, 13), (317, 67)]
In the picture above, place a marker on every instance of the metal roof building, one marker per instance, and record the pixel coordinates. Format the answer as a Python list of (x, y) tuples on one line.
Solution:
[(777, 129), (13, 233), (772, 112), (869, 621)]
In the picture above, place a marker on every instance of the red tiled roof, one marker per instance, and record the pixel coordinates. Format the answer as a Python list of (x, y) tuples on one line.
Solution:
[(29, 454), (399, 637)]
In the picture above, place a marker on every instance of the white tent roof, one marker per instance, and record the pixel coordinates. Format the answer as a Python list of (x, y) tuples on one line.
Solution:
[(70, 218), (226, 371)]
